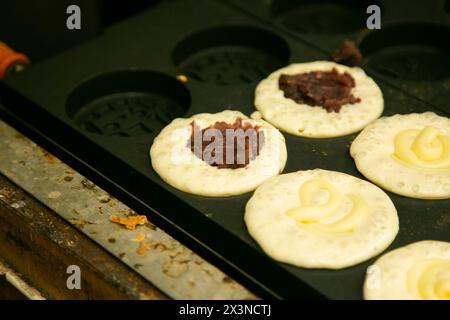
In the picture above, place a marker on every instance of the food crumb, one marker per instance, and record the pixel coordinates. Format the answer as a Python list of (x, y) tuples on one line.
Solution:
[(49, 157), (112, 240), (87, 184), (182, 78), (348, 53), (54, 195), (143, 248), (129, 222), (139, 237), (104, 199), (18, 204), (68, 178), (79, 222)]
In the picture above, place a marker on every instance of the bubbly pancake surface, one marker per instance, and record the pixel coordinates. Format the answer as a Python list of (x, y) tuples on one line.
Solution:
[(418, 271), (173, 160), (314, 121), (406, 154), (321, 219)]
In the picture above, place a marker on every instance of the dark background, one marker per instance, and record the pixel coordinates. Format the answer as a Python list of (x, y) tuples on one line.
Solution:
[(38, 28)]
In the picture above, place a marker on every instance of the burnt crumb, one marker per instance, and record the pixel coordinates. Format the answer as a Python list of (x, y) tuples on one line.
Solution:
[(7, 193), (19, 204), (112, 240), (143, 248), (87, 184), (138, 265), (160, 247), (227, 279), (104, 199), (442, 222), (151, 226), (121, 255), (152, 245), (129, 212), (207, 272), (328, 89), (49, 157), (80, 223), (68, 178), (348, 53)]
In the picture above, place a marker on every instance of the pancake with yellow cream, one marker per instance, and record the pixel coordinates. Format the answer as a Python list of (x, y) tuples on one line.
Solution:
[(419, 271), (407, 154), (321, 219)]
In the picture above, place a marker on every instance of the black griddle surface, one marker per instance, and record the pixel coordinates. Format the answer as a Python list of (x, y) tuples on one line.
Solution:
[(100, 105)]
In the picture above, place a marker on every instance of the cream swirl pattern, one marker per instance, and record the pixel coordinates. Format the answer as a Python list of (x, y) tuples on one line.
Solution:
[(426, 148), (408, 154), (418, 271), (325, 217), (321, 219), (430, 280)]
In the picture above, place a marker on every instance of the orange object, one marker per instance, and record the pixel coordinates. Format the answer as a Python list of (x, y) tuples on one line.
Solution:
[(9, 58), (129, 222)]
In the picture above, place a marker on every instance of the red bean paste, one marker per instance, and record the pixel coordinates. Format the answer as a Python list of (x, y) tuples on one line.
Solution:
[(348, 53), (251, 142), (328, 89)]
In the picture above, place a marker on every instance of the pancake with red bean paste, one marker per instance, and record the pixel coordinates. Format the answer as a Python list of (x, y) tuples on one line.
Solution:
[(319, 99), (217, 155)]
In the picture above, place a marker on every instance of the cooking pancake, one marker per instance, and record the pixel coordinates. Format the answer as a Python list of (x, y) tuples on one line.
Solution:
[(318, 100), (321, 219), (407, 154), (418, 271), (184, 164)]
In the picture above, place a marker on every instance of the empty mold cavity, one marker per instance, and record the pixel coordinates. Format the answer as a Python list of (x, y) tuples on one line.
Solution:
[(231, 54), (127, 103), (415, 52), (321, 16)]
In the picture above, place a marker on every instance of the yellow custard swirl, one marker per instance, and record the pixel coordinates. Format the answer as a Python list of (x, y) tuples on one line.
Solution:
[(426, 148), (317, 216), (430, 280)]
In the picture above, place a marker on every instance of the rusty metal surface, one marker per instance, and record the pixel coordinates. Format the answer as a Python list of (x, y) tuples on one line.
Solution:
[(17, 282), (41, 245), (152, 253)]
